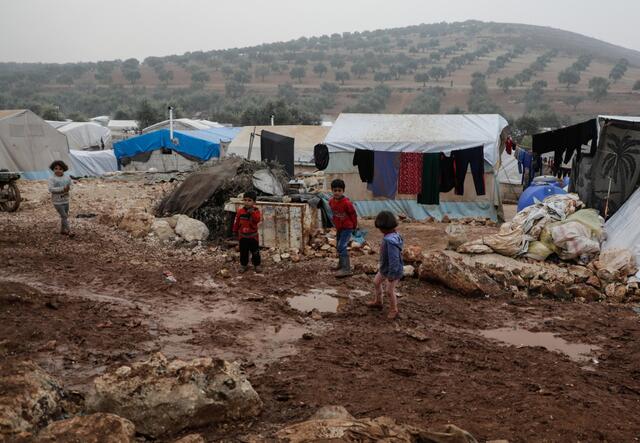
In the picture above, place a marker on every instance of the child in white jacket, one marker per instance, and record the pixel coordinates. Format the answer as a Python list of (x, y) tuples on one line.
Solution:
[(59, 187)]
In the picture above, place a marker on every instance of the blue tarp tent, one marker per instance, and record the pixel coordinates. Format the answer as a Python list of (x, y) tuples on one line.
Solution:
[(202, 144)]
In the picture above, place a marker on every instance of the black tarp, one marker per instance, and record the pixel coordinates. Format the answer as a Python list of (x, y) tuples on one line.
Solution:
[(277, 148)]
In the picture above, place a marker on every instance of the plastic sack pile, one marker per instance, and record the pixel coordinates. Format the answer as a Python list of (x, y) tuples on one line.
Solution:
[(557, 225)]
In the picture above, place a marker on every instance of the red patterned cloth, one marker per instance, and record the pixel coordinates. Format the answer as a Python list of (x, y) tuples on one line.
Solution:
[(410, 175)]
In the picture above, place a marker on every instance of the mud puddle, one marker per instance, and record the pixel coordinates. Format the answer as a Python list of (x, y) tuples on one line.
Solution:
[(323, 300), (519, 337)]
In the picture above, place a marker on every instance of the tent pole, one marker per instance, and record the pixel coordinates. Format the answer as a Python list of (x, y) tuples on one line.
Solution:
[(253, 135), (171, 123), (606, 206)]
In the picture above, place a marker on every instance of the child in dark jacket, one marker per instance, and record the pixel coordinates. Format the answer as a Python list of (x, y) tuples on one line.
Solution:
[(345, 221), (391, 265), (246, 228)]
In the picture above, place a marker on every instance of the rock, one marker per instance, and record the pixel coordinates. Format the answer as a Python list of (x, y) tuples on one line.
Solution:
[(370, 268), (610, 290), (224, 273), (607, 276), (585, 292), (332, 242), (173, 221), (334, 423), (442, 268), (29, 397), (276, 258), (445, 219), (325, 247), (94, 428), (166, 397), (191, 229), (136, 222), (191, 438), (556, 290), (620, 294), (617, 261), (536, 284), (515, 280), (285, 256), (307, 336), (594, 281), (412, 254), (162, 229), (408, 271), (580, 273), (315, 314)]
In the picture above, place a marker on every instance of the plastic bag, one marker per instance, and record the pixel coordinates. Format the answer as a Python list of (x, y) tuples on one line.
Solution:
[(474, 247), (538, 251), (456, 236)]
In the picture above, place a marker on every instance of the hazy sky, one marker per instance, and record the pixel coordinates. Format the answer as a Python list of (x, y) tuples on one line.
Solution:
[(91, 30)]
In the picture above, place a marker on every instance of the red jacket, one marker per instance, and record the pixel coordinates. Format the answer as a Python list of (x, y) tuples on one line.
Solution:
[(246, 224), (344, 214)]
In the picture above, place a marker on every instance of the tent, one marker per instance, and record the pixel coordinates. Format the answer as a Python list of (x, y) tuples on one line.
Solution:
[(84, 135), (92, 163), (157, 150), (509, 177), (422, 134), (305, 138), (28, 144), (183, 124), (623, 229)]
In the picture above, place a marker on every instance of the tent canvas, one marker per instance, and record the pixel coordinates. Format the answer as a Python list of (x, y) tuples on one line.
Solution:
[(92, 163), (623, 229), (28, 144), (84, 135), (183, 124), (305, 138), (418, 133)]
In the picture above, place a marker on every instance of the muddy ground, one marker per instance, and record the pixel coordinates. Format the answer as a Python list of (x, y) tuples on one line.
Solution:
[(84, 305)]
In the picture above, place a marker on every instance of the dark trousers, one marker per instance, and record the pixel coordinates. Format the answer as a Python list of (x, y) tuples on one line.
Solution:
[(475, 158), (249, 245)]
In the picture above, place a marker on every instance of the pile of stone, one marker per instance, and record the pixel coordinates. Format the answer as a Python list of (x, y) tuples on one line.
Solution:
[(142, 224), (609, 278), (154, 398), (323, 244)]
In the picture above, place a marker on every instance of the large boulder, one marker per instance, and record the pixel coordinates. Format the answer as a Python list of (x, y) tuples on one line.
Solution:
[(29, 397), (336, 424), (163, 397), (412, 254), (451, 271), (136, 222), (94, 428), (163, 230), (191, 229)]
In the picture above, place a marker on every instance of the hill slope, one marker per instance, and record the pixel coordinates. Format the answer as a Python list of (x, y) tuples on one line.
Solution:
[(427, 68)]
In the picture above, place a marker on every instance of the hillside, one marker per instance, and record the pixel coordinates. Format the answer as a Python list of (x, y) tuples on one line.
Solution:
[(426, 68)]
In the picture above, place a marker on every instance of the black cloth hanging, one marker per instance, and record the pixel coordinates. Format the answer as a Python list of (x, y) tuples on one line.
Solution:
[(430, 194), (564, 142), (277, 148), (363, 159), (464, 158), (447, 173), (321, 156)]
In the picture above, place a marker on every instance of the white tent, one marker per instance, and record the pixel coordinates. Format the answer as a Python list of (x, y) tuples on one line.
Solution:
[(84, 135), (29, 144), (305, 138), (423, 134), (183, 124), (623, 229), (92, 163)]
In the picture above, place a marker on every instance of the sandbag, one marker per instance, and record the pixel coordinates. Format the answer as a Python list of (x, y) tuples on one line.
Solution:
[(538, 251)]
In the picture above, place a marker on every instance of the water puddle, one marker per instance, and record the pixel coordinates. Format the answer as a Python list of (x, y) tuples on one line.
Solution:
[(521, 337), (324, 300), (194, 314)]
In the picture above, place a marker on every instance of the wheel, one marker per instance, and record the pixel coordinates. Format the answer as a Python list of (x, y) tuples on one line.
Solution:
[(12, 197)]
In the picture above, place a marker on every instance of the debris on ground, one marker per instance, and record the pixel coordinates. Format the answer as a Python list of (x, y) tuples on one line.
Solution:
[(335, 423), (161, 396)]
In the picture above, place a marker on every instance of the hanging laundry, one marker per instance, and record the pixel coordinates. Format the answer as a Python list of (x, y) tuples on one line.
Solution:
[(386, 166), (509, 145), (430, 193), (410, 175), (464, 158), (321, 156), (277, 148), (566, 140), (363, 159), (447, 173)]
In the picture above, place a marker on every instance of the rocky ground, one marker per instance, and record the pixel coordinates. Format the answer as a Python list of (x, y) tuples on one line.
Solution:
[(500, 366)]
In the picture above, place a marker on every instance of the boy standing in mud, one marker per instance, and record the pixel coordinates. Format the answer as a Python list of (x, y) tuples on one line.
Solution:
[(345, 221), (246, 228)]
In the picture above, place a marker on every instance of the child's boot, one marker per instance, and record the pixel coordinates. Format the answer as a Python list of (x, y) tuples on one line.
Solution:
[(345, 271), (243, 269)]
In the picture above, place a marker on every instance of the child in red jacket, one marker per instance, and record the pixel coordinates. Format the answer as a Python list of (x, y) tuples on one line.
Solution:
[(246, 228), (345, 221)]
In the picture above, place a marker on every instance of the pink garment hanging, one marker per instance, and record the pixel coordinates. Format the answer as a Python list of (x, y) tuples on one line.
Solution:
[(410, 175)]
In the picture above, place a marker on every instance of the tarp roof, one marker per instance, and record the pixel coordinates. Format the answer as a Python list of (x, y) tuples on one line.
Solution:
[(305, 138), (122, 124), (183, 124), (9, 112), (417, 133), (203, 144)]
